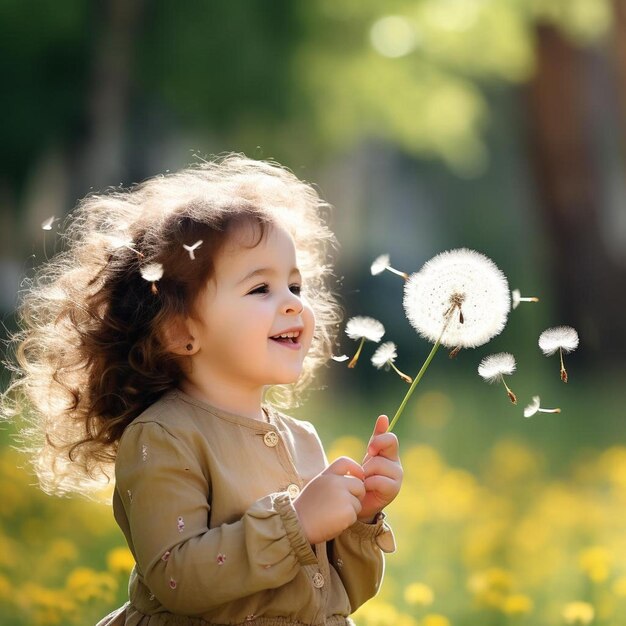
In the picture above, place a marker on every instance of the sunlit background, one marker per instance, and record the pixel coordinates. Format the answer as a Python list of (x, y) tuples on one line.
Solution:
[(497, 125)]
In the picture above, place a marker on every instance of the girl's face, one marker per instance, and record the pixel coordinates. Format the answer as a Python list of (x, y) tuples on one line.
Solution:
[(247, 308)]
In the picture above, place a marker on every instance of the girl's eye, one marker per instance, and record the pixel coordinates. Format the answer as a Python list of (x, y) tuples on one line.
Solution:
[(259, 289), (296, 289)]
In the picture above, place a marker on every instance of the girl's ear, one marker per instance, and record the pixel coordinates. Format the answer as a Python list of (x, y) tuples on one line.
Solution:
[(178, 338)]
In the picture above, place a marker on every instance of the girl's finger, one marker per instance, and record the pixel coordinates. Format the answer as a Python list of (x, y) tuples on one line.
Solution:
[(380, 466), (383, 486), (384, 445), (381, 426), (344, 466), (355, 486), (356, 504)]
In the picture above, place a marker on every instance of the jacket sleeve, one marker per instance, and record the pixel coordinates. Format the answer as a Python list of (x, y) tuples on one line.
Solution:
[(190, 568), (357, 555)]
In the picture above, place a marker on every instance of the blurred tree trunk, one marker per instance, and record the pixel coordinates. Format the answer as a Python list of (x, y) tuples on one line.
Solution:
[(99, 159), (588, 284)]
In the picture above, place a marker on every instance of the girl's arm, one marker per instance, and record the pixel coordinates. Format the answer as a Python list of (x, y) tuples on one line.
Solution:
[(190, 568), (357, 555)]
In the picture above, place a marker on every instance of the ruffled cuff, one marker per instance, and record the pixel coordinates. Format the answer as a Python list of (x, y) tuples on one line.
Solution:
[(380, 532), (302, 548)]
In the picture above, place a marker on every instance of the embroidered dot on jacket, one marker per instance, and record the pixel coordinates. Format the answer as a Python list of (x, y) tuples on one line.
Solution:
[(144, 452), (180, 524), (221, 558)]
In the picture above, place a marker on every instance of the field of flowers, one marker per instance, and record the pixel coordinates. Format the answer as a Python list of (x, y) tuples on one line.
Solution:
[(508, 543)]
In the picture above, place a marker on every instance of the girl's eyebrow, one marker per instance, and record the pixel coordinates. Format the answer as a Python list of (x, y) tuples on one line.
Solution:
[(264, 271)]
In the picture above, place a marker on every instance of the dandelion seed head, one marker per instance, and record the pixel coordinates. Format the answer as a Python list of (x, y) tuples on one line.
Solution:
[(494, 366), (341, 358), (360, 327), (533, 407), (380, 264), (385, 353), (563, 337), (152, 272), (454, 282)]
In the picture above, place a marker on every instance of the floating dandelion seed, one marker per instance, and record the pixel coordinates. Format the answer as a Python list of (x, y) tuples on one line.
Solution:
[(535, 407), (340, 359), (152, 272), (495, 367), (459, 299), (363, 328), (561, 338), (122, 241), (192, 249), (516, 298), (385, 356), (47, 224), (382, 263)]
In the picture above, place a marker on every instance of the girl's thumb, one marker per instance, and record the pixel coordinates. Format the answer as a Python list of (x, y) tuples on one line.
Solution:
[(382, 424)]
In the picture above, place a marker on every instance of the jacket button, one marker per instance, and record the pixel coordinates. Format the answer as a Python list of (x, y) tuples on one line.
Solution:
[(318, 580), (293, 490), (270, 439)]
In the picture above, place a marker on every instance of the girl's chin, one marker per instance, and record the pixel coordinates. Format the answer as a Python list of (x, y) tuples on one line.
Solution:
[(287, 379)]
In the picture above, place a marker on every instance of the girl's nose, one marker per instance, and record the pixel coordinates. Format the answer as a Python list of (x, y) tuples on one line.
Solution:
[(292, 305)]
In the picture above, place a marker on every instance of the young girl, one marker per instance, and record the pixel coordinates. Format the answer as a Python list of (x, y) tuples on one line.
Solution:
[(151, 343)]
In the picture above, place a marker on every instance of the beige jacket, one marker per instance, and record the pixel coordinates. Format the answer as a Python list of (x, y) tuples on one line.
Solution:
[(204, 500)]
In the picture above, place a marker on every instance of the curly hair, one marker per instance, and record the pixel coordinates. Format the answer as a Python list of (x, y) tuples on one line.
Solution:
[(91, 353)]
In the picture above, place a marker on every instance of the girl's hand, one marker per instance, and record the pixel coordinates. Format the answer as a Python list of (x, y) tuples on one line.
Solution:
[(382, 469), (331, 501)]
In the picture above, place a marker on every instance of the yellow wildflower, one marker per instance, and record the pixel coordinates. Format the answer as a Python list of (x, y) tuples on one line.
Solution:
[(513, 461), (86, 584), (595, 562), (377, 613), (43, 606), (490, 587), (419, 594), (435, 619), (578, 613), (120, 561), (517, 604)]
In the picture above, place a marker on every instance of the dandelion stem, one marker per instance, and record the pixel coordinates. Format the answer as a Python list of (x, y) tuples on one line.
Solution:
[(549, 410), (416, 380), (533, 299), (398, 272), (402, 375), (355, 358)]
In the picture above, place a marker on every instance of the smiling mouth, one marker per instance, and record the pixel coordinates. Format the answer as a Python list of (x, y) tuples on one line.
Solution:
[(290, 338)]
